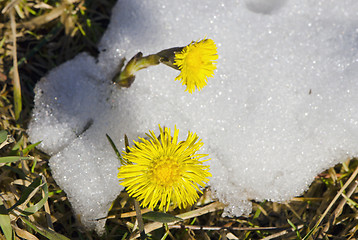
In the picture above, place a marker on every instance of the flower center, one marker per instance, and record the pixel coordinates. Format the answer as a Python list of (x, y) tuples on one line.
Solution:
[(166, 171), (194, 59)]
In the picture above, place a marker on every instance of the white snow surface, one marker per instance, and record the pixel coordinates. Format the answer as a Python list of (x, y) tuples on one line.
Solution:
[(281, 108)]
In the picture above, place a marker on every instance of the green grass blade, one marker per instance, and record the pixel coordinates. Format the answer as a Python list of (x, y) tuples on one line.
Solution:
[(3, 136), (30, 147), (46, 232), (126, 143), (295, 229), (309, 233), (5, 222), (257, 213), (16, 170), (27, 192), (2, 42), (350, 201), (41, 203), (11, 159), (116, 150), (18, 144)]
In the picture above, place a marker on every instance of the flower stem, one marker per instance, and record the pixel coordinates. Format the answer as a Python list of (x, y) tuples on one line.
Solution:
[(126, 77), (166, 231), (165, 227), (167, 56)]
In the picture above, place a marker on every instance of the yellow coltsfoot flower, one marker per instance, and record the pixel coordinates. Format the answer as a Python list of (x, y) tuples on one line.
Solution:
[(196, 64), (164, 171)]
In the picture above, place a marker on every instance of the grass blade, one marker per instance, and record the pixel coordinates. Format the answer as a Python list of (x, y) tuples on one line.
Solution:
[(30, 147), (16, 77), (41, 203), (23, 234), (3, 136), (295, 229), (10, 159), (5, 222), (116, 150), (50, 234), (27, 193)]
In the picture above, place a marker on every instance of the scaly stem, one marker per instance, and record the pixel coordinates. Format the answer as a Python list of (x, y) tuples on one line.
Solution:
[(166, 231), (126, 77)]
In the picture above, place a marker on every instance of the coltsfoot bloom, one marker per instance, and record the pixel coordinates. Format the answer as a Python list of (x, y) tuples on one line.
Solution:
[(163, 170), (196, 64)]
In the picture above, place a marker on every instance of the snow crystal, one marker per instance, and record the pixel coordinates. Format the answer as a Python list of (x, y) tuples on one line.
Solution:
[(281, 108)]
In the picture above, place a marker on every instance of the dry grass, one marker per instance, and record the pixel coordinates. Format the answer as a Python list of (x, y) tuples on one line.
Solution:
[(48, 34)]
